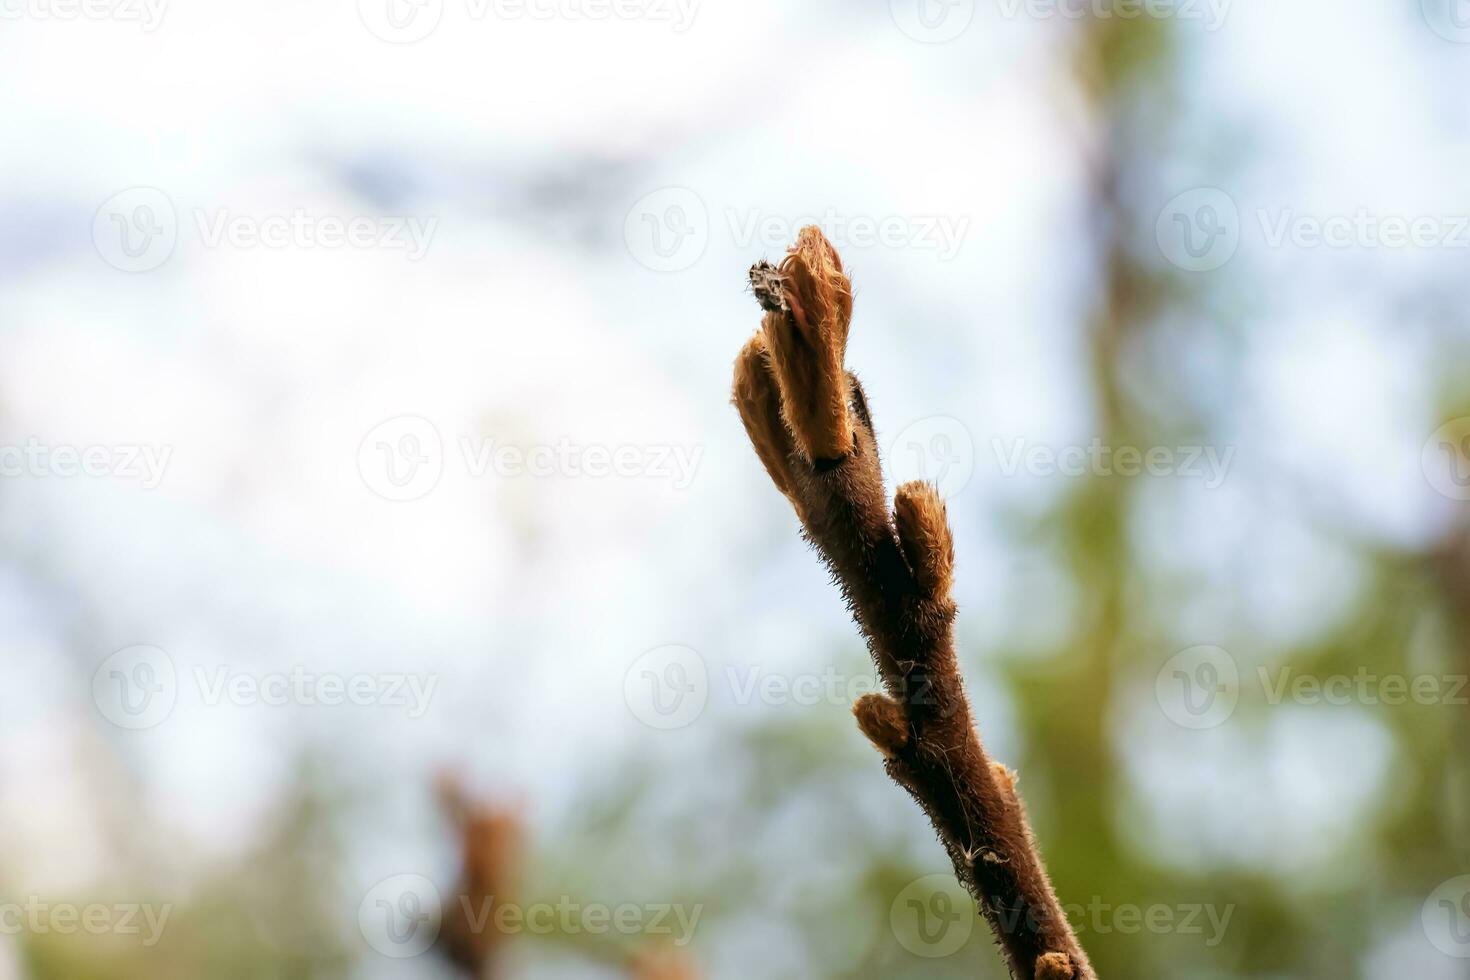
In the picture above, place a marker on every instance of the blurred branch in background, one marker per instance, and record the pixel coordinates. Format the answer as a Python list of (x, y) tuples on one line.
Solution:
[(491, 842), (474, 935), (662, 963)]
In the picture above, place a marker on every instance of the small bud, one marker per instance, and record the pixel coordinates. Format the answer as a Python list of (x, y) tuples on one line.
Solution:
[(1054, 966), (882, 719)]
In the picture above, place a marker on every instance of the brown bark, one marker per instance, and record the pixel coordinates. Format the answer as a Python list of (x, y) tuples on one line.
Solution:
[(808, 420)]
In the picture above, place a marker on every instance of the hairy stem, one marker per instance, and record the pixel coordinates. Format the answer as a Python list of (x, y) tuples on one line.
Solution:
[(808, 420)]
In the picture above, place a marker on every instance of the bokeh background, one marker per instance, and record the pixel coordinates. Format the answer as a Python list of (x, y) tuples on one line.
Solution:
[(363, 418)]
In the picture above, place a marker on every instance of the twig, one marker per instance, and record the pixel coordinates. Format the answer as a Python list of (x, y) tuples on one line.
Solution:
[(807, 418), (491, 841)]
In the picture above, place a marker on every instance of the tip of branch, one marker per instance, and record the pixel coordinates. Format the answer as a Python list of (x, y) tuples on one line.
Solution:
[(818, 292), (883, 721), (816, 251)]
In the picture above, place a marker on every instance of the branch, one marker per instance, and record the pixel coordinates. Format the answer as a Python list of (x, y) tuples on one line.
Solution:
[(491, 841), (807, 418)]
